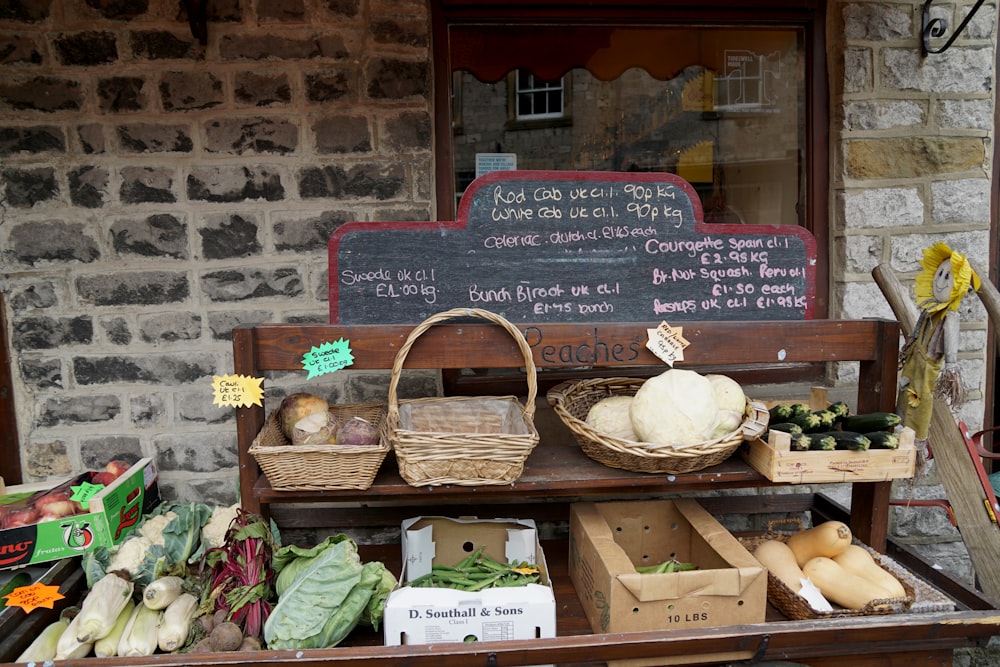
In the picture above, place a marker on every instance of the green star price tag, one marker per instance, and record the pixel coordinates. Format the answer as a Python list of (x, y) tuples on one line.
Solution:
[(327, 358)]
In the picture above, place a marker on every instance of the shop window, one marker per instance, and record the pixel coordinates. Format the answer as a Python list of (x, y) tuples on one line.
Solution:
[(728, 96)]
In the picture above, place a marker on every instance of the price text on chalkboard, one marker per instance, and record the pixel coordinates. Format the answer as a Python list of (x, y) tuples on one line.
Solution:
[(567, 246)]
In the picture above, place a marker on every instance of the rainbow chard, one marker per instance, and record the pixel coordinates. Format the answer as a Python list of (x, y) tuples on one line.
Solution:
[(241, 581)]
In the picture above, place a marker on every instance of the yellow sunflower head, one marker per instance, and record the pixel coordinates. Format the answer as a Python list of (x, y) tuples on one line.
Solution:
[(946, 277)]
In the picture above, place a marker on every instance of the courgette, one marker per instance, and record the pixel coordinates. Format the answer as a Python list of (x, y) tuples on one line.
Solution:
[(827, 419), (800, 409), (883, 440), (786, 427), (800, 442), (17, 581), (821, 441), (839, 408), (850, 440), (809, 423), (870, 421), (780, 412)]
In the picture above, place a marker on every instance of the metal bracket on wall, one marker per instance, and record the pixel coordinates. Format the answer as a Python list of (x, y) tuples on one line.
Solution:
[(934, 28)]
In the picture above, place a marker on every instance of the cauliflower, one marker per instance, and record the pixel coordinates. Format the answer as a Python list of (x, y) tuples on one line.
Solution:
[(152, 528), (130, 554), (213, 533)]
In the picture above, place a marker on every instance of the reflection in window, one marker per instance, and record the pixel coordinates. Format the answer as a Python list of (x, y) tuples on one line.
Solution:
[(537, 99)]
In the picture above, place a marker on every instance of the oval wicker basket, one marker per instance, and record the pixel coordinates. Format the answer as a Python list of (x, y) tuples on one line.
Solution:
[(465, 440), (573, 400), (321, 467), (795, 607)]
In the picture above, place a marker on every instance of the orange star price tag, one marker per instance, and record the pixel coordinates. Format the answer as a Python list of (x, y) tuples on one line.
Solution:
[(33, 597)]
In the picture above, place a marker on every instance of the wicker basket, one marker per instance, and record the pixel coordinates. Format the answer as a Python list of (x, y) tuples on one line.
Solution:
[(468, 440), (321, 467), (796, 608), (573, 400)]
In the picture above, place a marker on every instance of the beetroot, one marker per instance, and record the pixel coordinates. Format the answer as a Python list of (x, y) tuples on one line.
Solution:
[(357, 431)]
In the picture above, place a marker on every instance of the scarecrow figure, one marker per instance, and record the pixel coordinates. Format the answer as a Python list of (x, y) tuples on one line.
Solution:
[(929, 358)]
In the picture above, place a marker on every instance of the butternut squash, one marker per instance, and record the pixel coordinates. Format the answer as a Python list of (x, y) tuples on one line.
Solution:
[(841, 586), (780, 561), (827, 539), (857, 560)]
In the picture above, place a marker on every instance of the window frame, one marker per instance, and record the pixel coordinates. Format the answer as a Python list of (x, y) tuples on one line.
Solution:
[(810, 15)]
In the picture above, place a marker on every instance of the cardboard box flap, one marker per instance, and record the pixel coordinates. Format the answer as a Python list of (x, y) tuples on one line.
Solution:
[(694, 583), (716, 535)]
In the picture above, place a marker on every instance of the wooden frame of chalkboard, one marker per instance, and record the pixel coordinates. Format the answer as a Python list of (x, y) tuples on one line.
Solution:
[(569, 246)]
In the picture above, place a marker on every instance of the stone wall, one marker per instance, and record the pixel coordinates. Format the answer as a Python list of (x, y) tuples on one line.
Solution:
[(157, 192), (911, 156)]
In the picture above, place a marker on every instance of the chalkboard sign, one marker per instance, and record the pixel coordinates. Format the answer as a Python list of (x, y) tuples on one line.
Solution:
[(544, 246)]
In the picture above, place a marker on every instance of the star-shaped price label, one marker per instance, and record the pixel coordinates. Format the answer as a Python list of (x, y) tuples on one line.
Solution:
[(237, 391), (327, 358), (35, 596), (667, 343), (83, 493)]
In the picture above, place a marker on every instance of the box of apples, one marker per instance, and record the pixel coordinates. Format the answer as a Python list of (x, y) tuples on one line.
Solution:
[(47, 522)]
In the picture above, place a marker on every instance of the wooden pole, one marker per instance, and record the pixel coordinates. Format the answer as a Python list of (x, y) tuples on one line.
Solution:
[(990, 297), (954, 465)]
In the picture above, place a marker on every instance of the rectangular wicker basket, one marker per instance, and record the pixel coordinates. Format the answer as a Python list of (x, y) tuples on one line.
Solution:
[(466, 440), (321, 467)]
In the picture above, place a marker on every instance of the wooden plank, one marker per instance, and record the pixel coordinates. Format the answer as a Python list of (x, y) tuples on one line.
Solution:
[(10, 445), (954, 466)]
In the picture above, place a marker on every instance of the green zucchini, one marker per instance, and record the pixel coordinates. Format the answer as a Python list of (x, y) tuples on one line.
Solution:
[(17, 581), (780, 412), (821, 441), (800, 409), (827, 419), (809, 422), (870, 421), (800, 442), (883, 440), (839, 408), (786, 427), (850, 440)]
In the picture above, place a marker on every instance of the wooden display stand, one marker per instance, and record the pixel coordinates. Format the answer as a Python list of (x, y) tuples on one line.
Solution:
[(557, 473)]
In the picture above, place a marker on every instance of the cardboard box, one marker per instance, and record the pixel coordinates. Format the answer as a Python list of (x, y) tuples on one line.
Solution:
[(111, 515), (775, 459), (432, 615), (609, 540)]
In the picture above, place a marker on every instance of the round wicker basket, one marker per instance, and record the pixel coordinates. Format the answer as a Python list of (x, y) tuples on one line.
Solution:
[(573, 400)]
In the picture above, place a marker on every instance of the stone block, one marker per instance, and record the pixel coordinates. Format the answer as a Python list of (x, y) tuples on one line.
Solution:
[(37, 139), (165, 369), (860, 300), (330, 85), (162, 235), (243, 136), (134, 288), (42, 373), (163, 45), (396, 32), (121, 94), (879, 208), (857, 70), (192, 407), (86, 49), (207, 451), (348, 8), (965, 114), (363, 180), (241, 284), (41, 93), (24, 188), (91, 138), (147, 185), (190, 91), (42, 459), (119, 10), (962, 201), (281, 10), (169, 327), (884, 114), (908, 249), (26, 11), (234, 183), (342, 134), (97, 451), (47, 333), (395, 79), (284, 46), (147, 410), (262, 89), (859, 254), (70, 410), (19, 50), (35, 243), (116, 330), (306, 235), (912, 156), (39, 294), (228, 236), (408, 131), (957, 70), (219, 489), (222, 323), (871, 21), (154, 138), (88, 186)]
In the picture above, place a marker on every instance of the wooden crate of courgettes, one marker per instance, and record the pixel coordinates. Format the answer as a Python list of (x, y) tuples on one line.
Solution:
[(819, 441)]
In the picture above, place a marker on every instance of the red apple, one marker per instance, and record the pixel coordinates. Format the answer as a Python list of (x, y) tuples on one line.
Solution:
[(117, 467), (56, 503), (103, 477), (20, 515)]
